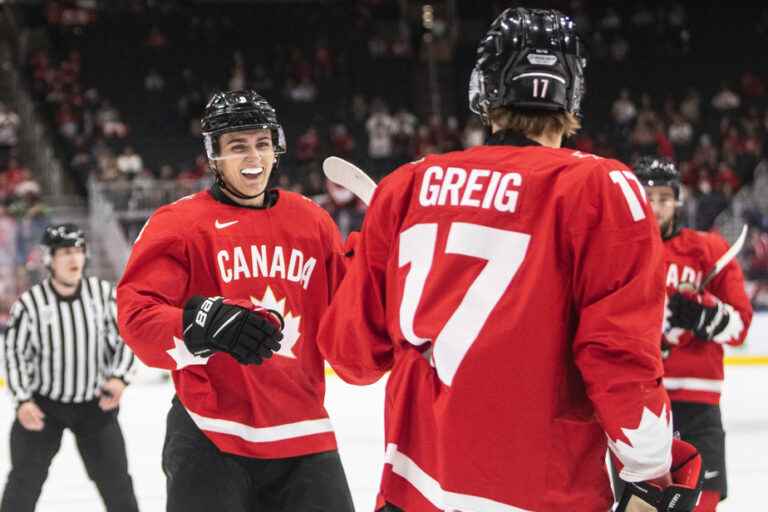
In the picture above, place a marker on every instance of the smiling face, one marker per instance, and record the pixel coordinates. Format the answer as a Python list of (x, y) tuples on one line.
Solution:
[(67, 265), (245, 163)]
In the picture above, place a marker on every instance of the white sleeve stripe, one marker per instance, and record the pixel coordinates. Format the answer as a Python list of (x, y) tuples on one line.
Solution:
[(693, 384), (262, 434)]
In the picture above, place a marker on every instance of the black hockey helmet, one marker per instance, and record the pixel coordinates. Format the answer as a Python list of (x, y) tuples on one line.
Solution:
[(656, 171), (529, 59), (61, 235), (233, 111)]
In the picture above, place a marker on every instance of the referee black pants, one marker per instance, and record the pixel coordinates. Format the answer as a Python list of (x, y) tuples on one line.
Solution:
[(99, 441)]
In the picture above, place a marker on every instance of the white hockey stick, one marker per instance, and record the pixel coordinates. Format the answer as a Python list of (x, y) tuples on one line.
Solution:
[(349, 176), (725, 259)]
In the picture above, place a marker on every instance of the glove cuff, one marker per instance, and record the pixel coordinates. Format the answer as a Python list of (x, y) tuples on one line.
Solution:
[(198, 313)]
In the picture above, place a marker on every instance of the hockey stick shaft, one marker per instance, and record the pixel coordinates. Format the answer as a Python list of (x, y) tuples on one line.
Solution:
[(725, 259)]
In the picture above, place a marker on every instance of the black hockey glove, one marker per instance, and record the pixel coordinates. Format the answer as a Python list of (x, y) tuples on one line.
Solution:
[(679, 496), (248, 333), (701, 313)]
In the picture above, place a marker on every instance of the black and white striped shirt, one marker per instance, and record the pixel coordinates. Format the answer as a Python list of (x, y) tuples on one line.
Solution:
[(64, 348)]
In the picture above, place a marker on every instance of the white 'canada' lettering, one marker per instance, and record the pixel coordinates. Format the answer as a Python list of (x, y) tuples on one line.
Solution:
[(265, 262)]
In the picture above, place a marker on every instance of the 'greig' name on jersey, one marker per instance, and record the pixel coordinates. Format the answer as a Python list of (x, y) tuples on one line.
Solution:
[(478, 188), (262, 261)]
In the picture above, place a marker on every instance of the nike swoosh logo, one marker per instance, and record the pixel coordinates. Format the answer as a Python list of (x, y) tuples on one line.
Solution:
[(222, 225), (710, 474)]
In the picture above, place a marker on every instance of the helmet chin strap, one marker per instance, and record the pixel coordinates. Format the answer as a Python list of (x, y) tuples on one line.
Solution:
[(232, 190), (669, 228)]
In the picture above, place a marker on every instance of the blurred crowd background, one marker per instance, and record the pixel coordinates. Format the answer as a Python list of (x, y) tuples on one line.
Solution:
[(100, 104)]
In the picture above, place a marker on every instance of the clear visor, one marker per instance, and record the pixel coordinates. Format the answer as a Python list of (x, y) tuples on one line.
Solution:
[(476, 92), (244, 143)]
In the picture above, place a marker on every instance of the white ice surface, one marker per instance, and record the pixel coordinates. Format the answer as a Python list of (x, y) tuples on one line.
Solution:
[(357, 416)]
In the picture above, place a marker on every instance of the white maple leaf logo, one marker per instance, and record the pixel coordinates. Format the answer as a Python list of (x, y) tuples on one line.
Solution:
[(291, 332), (183, 357), (649, 451)]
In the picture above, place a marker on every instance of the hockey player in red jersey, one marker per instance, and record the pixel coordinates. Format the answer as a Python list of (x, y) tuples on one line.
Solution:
[(697, 324), (515, 291), (211, 281)]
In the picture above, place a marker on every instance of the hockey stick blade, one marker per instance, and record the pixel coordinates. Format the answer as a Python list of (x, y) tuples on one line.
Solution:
[(725, 259), (349, 176)]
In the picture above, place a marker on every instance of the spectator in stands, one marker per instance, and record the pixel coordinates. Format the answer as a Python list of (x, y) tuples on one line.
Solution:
[(404, 132), (108, 119), (752, 86), (680, 134), (726, 99), (261, 80), (82, 162), (710, 203), (67, 121), (31, 216), (623, 110), (129, 163), (308, 146), (15, 174), (381, 129), (347, 211), (154, 81), (156, 38), (9, 133), (8, 263), (237, 79), (644, 138), (342, 142), (303, 91), (757, 263), (108, 168), (452, 135), (691, 106), (474, 134), (166, 173)]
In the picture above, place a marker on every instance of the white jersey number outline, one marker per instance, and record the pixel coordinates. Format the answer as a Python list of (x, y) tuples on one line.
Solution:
[(504, 252), (621, 178)]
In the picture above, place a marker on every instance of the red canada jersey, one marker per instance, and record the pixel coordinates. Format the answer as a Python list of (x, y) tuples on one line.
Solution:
[(693, 371), (287, 257), (516, 294)]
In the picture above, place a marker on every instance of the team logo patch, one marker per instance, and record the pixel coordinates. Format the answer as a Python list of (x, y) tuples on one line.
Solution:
[(542, 60), (291, 331)]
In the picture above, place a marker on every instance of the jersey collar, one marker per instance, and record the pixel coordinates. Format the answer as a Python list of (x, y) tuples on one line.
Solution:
[(66, 298), (509, 138), (269, 200)]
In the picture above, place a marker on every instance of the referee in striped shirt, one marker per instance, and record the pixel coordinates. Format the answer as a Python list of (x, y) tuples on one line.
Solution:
[(66, 368)]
